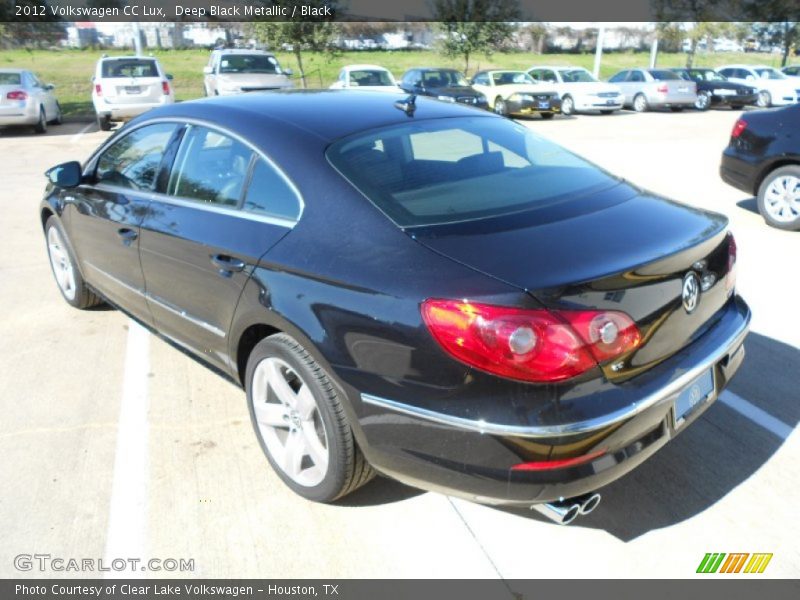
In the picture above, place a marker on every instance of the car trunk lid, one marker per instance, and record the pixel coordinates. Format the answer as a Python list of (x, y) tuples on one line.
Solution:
[(620, 250)]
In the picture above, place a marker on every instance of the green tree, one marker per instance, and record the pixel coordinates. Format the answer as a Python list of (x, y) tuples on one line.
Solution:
[(316, 34), (474, 26)]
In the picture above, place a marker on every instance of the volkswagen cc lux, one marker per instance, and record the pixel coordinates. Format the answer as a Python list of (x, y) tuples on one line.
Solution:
[(415, 288)]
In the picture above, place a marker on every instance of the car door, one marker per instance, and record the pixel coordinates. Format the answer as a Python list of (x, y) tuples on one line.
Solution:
[(621, 80), (105, 213), (221, 208)]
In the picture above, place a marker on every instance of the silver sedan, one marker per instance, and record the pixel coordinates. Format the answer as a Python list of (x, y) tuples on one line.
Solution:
[(655, 88), (24, 100)]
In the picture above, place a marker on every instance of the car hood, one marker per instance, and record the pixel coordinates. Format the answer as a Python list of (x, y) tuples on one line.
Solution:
[(255, 80), (524, 88), (722, 85), (454, 91)]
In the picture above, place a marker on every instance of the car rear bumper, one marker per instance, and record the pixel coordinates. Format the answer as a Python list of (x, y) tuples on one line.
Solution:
[(738, 172), (116, 112), (474, 458), (24, 113)]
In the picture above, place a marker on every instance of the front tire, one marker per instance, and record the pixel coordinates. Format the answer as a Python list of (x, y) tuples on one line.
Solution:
[(65, 271), (764, 99), (567, 105), (500, 106), (300, 422), (779, 198), (640, 103), (703, 101)]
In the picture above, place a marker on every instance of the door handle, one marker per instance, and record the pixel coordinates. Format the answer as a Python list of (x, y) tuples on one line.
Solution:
[(128, 235), (228, 264)]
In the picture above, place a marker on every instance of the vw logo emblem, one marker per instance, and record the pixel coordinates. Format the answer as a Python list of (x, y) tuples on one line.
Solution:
[(691, 292)]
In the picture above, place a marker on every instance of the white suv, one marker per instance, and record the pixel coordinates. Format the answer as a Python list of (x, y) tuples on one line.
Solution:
[(774, 88), (124, 87)]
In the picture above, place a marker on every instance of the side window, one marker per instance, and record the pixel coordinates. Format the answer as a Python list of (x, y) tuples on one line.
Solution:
[(636, 76), (270, 194), (621, 76), (133, 161), (408, 78), (536, 74), (482, 79), (210, 167), (549, 76)]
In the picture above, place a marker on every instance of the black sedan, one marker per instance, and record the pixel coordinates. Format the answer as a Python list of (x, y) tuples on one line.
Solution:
[(763, 159), (411, 287), (447, 85), (714, 89)]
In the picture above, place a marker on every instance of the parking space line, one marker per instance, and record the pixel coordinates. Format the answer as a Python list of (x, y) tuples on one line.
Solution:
[(127, 520), (756, 415), (76, 138)]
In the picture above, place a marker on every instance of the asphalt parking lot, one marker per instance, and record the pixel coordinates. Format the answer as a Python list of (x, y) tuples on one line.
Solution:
[(115, 444)]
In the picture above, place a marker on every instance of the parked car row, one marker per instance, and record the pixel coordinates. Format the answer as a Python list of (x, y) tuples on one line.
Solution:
[(127, 86)]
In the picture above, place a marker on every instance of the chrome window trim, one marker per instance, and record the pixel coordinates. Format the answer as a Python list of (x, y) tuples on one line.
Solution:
[(579, 427), (159, 302), (197, 203)]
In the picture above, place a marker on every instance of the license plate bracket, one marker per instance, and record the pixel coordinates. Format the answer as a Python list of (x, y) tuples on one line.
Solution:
[(544, 104), (133, 89), (695, 395)]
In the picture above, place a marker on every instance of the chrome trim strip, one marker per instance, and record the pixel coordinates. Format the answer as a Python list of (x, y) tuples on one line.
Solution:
[(579, 427), (160, 302)]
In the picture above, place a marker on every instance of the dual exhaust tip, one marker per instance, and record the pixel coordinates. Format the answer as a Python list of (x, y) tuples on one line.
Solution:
[(565, 511)]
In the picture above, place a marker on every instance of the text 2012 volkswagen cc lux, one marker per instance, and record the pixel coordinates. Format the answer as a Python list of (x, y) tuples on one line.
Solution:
[(411, 287)]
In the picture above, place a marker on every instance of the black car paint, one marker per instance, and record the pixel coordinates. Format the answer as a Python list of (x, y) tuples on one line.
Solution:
[(745, 95), (347, 284), (768, 142)]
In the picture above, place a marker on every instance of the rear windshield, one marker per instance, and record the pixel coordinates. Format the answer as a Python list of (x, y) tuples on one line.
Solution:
[(129, 68), (248, 63), (444, 78), (376, 78), (439, 171), (664, 75), (10, 79)]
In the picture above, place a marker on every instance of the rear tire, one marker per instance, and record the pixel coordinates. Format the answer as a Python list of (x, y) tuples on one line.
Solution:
[(779, 198), (41, 125), (64, 267), (640, 103), (300, 422), (104, 123)]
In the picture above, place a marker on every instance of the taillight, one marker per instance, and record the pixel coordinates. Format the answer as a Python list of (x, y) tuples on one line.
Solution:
[(730, 278), (529, 345), (98, 89), (561, 463), (738, 128), (662, 89), (17, 95), (165, 88)]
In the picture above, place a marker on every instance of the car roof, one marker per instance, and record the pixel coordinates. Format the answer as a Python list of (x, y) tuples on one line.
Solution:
[(241, 51), (12, 70), (433, 69), (557, 68), (103, 58), (374, 67), (318, 116)]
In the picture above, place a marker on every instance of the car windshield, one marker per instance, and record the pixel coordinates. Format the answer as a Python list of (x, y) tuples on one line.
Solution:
[(511, 77), (249, 63), (770, 74), (10, 79), (129, 67), (576, 76), (372, 77), (439, 171), (660, 75), (443, 78), (706, 75)]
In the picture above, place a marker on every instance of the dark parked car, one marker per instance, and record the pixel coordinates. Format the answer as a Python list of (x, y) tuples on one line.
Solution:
[(763, 159), (448, 85), (412, 287), (714, 89)]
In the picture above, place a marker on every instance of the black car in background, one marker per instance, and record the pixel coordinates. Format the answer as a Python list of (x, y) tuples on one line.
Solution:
[(448, 85), (415, 288), (714, 89), (763, 159)]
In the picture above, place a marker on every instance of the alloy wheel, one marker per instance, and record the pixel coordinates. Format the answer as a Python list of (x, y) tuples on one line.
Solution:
[(567, 105), (500, 106), (60, 260), (764, 99), (640, 103), (289, 422), (703, 101), (782, 199)]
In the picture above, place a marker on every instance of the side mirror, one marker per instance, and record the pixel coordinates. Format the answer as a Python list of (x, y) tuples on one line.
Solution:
[(170, 77), (288, 72), (66, 175), (208, 70)]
